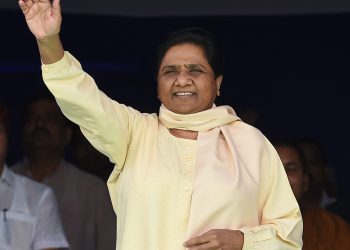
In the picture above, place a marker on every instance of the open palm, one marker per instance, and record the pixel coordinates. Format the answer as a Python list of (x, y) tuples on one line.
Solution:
[(43, 18)]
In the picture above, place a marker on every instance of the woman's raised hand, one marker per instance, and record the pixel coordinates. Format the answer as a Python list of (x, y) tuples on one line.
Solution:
[(43, 17)]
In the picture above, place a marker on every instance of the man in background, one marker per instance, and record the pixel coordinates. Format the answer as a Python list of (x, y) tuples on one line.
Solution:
[(323, 230), (86, 210), (29, 213)]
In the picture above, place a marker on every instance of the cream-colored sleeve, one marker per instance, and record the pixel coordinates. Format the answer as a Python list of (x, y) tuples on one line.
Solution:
[(281, 224), (104, 122)]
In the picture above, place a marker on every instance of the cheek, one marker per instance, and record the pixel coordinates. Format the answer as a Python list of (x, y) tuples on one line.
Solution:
[(297, 184), (294, 182), (28, 127), (291, 180), (163, 88), (210, 86), (210, 92)]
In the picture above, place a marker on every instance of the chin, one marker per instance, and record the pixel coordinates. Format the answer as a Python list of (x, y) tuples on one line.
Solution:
[(187, 111)]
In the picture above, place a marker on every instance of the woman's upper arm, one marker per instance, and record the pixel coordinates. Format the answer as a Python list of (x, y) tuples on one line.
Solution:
[(281, 223), (103, 121)]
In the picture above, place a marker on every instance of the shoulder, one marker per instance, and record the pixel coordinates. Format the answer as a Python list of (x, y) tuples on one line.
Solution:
[(18, 167), (254, 148), (30, 185), (338, 221), (34, 192), (249, 136), (325, 218), (144, 120), (136, 114)]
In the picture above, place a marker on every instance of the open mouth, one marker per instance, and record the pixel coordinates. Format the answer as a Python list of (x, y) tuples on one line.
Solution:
[(184, 94)]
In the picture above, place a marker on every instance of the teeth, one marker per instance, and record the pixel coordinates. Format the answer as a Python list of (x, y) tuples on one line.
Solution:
[(184, 93)]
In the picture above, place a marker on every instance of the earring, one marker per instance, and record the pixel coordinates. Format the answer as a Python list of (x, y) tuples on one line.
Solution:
[(218, 92)]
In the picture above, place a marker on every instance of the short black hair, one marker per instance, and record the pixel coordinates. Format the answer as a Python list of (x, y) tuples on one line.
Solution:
[(41, 93), (317, 145), (196, 36)]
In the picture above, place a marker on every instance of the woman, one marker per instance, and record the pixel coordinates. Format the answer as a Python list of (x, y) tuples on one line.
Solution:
[(195, 177)]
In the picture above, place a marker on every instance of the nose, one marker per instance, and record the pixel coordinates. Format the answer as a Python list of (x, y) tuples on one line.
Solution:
[(40, 123), (183, 79)]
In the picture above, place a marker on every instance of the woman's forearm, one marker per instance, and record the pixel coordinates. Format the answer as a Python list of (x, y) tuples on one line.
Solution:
[(50, 49)]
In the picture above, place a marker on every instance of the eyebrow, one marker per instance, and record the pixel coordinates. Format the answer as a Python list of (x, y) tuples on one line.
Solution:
[(171, 67), (178, 66), (193, 66), (288, 163)]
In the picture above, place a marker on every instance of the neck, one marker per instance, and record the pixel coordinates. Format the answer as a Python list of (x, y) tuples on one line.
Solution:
[(185, 134), (311, 202), (41, 167), (200, 122)]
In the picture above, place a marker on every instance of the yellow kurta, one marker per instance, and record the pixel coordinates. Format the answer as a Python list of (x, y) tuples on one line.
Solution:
[(165, 189)]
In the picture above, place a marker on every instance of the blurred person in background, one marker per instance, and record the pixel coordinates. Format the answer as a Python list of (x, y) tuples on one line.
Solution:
[(88, 158), (323, 190), (86, 211), (29, 214), (323, 230)]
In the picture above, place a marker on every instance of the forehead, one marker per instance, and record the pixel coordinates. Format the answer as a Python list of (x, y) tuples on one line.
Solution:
[(184, 53), (44, 107), (288, 154)]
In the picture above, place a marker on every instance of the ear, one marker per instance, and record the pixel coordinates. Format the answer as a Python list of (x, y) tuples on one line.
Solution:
[(218, 81)]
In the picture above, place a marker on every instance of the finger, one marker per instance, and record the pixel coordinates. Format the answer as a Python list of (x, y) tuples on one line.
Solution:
[(23, 6), (199, 240), (212, 245), (210, 232), (29, 4), (32, 10), (56, 4), (56, 8)]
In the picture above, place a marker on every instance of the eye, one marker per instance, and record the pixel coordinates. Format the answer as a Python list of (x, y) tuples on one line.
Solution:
[(196, 71), (170, 71), (291, 168), (52, 119)]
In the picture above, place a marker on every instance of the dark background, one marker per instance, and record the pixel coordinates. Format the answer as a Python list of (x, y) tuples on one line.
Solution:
[(292, 69)]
